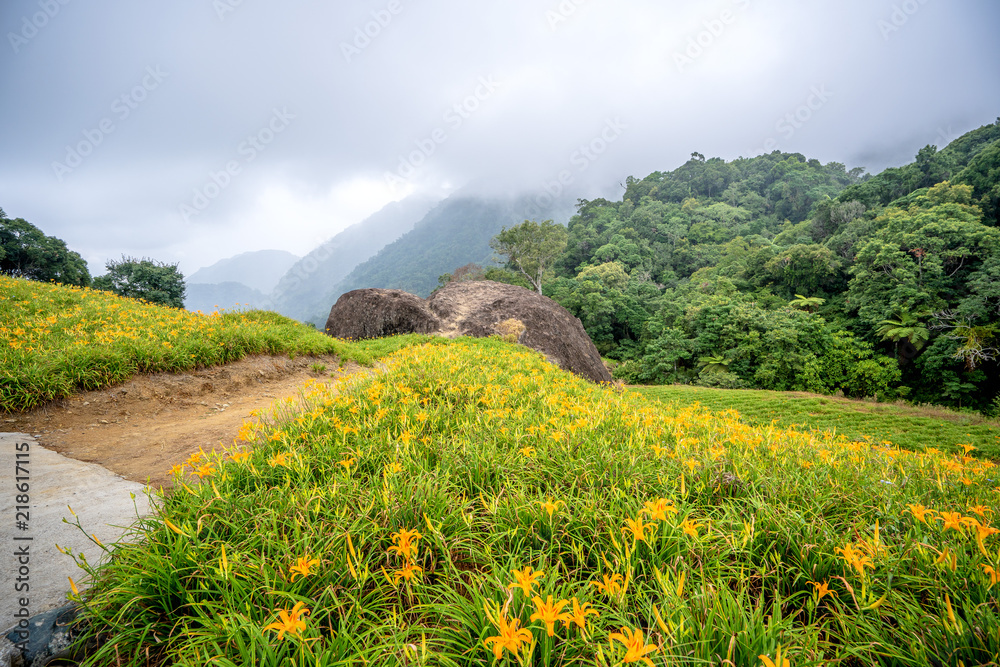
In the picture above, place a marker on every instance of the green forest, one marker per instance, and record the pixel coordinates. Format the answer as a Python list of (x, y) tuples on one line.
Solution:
[(779, 272)]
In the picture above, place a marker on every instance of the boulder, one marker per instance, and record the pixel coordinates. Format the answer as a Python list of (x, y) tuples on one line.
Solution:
[(471, 308), (376, 313)]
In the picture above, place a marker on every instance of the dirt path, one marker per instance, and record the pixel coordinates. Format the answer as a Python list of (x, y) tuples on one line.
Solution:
[(142, 428)]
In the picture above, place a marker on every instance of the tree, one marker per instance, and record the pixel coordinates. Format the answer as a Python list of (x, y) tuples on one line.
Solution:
[(921, 258), (144, 278), (715, 362), (807, 303), (905, 328), (531, 248), (25, 252)]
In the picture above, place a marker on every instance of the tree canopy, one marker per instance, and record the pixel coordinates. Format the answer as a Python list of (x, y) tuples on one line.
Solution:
[(147, 279), (531, 248), (26, 252), (791, 274)]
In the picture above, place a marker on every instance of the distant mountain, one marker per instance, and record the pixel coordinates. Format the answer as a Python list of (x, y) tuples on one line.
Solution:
[(260, 270), (304, 290), (456, 232), (209, 297)]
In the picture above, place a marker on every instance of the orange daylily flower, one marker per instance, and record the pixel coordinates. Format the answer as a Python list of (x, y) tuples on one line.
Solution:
[(658, 509), (778, 661), (405, 543), (303, 567), (920, 512), (525, 579), (637, 528), (579, 614), (511, 637), (611, 587), (407, 572), (822, 589), (548, 612), (635, 645), (290, 621), (691, 527)]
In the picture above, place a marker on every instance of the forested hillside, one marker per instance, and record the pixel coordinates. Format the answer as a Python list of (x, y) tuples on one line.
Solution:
[(778, 272)]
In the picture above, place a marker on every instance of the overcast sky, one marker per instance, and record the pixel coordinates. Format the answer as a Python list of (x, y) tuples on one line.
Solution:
[(192, 131)]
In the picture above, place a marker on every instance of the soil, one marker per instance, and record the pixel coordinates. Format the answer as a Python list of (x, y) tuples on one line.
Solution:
[(143, 427)]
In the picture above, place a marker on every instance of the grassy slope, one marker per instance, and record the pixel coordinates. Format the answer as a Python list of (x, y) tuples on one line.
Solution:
[(906, 426), (715, 527), (700, 531), (55, 340)]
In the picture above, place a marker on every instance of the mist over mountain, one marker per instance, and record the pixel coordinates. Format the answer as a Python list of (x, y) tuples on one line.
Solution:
[(259, 270), (208, 297), (454, 233), (304, 290)]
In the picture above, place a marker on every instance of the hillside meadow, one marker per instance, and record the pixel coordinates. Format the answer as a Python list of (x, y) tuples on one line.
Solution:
[(468, 503), (59, 339), (900, 424)]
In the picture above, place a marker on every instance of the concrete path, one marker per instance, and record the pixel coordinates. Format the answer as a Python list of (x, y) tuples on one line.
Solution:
[(100, 499)]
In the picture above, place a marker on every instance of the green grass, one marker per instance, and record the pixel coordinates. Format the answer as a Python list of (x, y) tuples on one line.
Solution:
[(914, 428), (719, 533), (56, 340)]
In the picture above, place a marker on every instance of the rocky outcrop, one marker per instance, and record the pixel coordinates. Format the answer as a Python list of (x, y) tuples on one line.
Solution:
[(473, 308)]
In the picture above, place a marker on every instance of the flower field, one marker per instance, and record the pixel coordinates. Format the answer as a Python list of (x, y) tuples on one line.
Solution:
[(57, 339), (470, 504)]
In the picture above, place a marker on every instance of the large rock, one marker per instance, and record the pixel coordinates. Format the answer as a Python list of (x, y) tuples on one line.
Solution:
[(473, 308), (374, 313)]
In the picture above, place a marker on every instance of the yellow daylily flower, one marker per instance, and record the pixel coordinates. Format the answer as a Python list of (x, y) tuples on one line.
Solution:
[(551, 506)]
